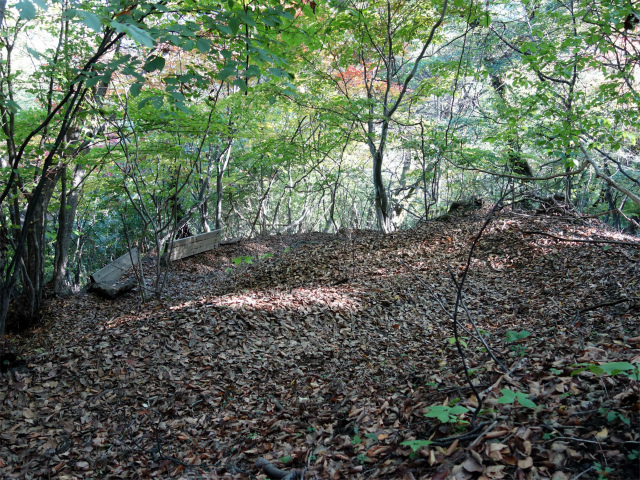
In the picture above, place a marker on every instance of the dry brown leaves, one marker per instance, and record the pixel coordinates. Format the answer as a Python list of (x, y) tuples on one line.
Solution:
[(326, 356)]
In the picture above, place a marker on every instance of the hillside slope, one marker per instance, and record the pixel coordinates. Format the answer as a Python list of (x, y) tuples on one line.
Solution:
[(327, 355)]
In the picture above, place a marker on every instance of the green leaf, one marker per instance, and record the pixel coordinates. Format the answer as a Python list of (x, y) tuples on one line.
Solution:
[(91, 20), (524, 401), (611, 368), (143, 103), (416, 444), (33, 53), (181, 106), (614, 368), (225, 29), (252, 71), (226, 72), (440, 412), (203, 45), (240, 83), (26, 9), (93, 81), (458, 410), (11, 105), (161, 7), (139, 35), (154, 63), (508, 396), (512, 336), (485, 19), (234, 24), (286, 459), (248, 19), (135, 89)]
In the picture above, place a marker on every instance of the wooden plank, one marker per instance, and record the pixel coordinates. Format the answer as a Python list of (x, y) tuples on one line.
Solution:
[(201, 247), (197, 238), (205, 246), (185, 247), (185, 241), (181, 251), (112, 272), (204, 237)]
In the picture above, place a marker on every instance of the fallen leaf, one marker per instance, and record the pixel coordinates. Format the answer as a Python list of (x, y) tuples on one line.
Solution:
[(471, 465), (602, 434), (526, 463)]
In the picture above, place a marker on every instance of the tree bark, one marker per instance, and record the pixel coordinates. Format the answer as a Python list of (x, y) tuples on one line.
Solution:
[(3, 8), (66, 217), (519, 165), (221, 168), (389, 107), (36, 243), (610, 181)]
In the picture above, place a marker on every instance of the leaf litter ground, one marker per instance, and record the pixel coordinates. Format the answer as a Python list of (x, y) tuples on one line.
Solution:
[(326, 356)]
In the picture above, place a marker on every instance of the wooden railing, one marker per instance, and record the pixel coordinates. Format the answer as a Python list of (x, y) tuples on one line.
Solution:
[(112, 272), (185, 247)]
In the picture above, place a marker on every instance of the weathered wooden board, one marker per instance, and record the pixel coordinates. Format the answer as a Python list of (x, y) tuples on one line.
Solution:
[(203, 237), (185, 247), (112, 272)]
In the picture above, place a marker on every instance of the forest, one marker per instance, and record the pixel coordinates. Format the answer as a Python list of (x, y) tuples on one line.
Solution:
[(426, 219)]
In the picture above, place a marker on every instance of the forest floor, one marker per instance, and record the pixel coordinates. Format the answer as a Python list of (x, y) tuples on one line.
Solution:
[(325, 356)]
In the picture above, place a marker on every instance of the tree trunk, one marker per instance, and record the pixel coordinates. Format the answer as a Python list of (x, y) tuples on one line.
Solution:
[(219, 192), (3, 8), (381, 200), (33, 274), (611, 202), (66, 218), (518, 165), (221, 168)]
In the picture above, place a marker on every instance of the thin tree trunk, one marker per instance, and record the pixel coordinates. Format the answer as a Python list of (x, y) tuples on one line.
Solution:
[(66, 217), (36, 238), (221, 168), (3, 8)]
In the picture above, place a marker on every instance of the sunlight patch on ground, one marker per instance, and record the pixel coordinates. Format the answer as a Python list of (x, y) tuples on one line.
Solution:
[(299, 300)]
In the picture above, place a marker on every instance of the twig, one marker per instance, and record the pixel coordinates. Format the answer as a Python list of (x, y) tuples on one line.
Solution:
[(443, 442), (276, 473), (581, 474), (578, 240), (460, 286), (435, 297), (600, 305), (464, 306), (482, 435), (575, 439), (502, 377)]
